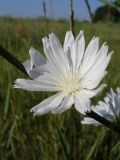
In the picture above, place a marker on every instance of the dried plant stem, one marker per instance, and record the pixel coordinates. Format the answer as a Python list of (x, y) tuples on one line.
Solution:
[(45, 16), (71, 17), (89, 10)]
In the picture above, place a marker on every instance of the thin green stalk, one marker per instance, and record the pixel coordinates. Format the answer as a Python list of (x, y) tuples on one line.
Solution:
[(10, 58), (64, 147), (104, 121)]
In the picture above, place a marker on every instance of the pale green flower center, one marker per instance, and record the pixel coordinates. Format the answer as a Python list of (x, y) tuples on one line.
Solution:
[(69, 83)]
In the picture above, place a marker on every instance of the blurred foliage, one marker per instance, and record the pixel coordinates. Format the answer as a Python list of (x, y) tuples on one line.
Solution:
[(109, 12), (114, 4), (23, 136), (106, 14)]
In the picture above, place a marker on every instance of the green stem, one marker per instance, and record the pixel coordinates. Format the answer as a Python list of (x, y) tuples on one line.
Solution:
[(14, 61), (104, 121)]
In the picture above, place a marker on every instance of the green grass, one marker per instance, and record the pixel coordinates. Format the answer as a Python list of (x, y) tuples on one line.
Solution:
[(23, 136)]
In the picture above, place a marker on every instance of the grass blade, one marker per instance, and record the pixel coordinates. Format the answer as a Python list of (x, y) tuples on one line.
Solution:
[(7, 99), (62, 141), (92, 150)]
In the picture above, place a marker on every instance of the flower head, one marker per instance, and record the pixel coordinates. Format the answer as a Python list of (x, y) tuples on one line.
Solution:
[(72, 71), (109, 109)]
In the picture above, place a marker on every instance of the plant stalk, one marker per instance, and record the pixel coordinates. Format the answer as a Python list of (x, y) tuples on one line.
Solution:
[(104, 121), (89, 10), (10, 58), (72, 17)]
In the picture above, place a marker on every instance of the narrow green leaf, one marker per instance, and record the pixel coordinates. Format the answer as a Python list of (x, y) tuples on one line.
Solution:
[(92, 150), (7, 99), (11, 134), (62, 141), (13, 149), (116, 147)]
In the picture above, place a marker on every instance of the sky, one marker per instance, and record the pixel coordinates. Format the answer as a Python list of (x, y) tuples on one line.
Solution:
[(55, 8)]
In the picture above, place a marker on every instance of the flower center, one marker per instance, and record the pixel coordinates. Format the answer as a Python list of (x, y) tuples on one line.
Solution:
[(69, 83)]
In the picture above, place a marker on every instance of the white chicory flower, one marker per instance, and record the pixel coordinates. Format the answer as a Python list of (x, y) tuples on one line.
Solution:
[(109, 109), (72, 71)]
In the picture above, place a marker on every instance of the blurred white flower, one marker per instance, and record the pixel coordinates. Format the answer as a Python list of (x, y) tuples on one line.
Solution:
[(109, 109), (72, 71)]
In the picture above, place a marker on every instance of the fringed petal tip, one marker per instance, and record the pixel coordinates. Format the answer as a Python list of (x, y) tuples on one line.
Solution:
[(33, 110), (90, 121), (28, 65), (35, 113), (82, 32), (16, 84), (31, 50)]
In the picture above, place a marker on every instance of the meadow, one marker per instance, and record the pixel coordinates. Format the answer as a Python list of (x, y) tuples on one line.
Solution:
[(26, 137)]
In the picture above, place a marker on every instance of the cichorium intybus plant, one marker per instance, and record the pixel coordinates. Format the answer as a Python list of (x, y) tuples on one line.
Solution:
[(72, 71)]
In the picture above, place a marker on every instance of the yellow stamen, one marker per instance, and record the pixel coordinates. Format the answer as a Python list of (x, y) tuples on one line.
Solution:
[(69, 83)]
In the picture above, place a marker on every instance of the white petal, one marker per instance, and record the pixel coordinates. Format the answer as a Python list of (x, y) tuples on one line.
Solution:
[(102, 66), (48, 104), (92, 121), (99, 67), (66, 104), (117, 104), (68, 42), (92, 47), (112, 107), (90, 55), (82, 105), (93, 82), (108, 116), (69, 58), (35, 73), (104, 113), (92, 93), (48, 78), (80, 47), (71, 48), (36, 57), (97, 72), (58, 51), (28, 65), (94, 61), (31, 85), (73, 56), (58, 67)]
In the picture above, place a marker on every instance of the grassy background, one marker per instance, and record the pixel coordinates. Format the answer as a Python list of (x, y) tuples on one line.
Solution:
[(25, 137)]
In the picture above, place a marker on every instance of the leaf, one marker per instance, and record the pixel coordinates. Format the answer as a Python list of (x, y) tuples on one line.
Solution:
[(13, 149), (11, 133), (7, 99), (116, 147), (92, 150), (62, 141), (108, 3)]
